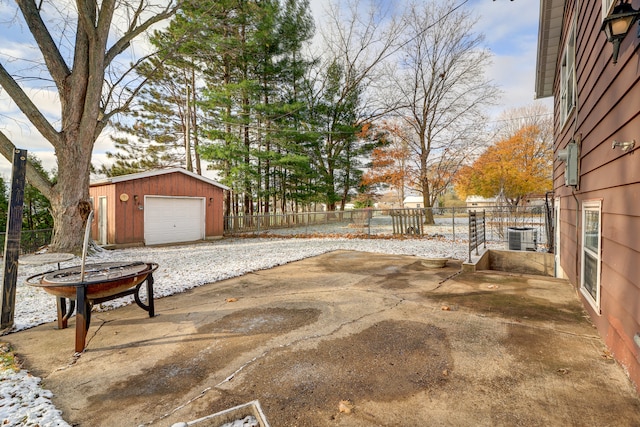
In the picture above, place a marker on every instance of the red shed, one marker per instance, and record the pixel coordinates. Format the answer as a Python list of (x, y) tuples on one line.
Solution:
[(157, 207)]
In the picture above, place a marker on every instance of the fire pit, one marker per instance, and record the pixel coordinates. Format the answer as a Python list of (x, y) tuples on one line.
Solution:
[(93, 284), (89, 284), (103, 279)]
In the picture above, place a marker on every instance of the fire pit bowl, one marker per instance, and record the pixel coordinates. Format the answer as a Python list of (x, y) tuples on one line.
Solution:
[(91, 284), (101, 280)]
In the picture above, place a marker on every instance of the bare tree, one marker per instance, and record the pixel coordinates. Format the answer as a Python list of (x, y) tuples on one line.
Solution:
[(80, 59), (537, 115), (443, 90), (358, 37)]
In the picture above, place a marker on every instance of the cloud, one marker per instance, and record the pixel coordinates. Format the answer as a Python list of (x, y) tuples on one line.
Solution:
[(506, 24), (510, 29)]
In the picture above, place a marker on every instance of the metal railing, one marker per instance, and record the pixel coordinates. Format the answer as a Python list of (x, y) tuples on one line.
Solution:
[(451, 223), (30, 240), (477, 232)]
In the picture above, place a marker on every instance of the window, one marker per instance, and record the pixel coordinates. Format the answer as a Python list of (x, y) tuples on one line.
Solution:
[(568, 76), (591, 241)]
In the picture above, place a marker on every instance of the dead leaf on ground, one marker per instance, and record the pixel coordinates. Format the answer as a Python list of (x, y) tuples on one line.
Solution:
[(345, 406), (606, 354)]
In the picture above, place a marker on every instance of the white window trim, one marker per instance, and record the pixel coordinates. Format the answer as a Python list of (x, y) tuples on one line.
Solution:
[(593, 205), (568, 76), (607, 7)]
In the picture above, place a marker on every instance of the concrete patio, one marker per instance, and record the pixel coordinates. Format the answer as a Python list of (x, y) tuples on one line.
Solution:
[(343, 339)]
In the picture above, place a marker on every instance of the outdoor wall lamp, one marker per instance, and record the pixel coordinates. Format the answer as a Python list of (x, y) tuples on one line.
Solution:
[(624, 145), (617, 25)]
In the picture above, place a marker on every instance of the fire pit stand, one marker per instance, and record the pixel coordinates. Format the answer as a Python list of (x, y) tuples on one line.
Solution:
[(89, 284), (102, 282)]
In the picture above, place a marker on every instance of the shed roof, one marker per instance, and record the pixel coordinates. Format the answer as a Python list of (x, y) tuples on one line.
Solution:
[(480, 199), (549, 32), (148, 174), (413, 199)]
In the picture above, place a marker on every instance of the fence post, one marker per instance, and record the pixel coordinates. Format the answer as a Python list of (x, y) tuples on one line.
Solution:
[(453, 216), (472, 233), (12, 238), (484, 228)]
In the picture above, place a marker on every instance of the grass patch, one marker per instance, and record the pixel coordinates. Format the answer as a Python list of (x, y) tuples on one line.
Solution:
[(7, 358)]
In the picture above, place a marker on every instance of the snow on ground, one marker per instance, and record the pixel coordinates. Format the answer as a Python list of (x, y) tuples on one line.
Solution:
[(24, 403)]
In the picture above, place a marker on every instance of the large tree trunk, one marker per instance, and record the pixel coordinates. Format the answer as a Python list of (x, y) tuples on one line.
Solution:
[(424, 181), (83, 98), (426, 197), (70, 204)]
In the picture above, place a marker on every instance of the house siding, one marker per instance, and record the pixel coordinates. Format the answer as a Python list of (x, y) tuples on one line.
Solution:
[(126, 218), (608, 109)]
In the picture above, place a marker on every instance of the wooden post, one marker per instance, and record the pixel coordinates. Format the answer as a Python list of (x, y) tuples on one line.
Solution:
[(12, 241)]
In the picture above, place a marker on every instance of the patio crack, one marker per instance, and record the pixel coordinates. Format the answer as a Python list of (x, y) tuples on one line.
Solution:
[(265, 353), (310, 337)]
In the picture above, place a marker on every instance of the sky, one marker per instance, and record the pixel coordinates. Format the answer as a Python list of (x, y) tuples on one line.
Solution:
[(510, 29)]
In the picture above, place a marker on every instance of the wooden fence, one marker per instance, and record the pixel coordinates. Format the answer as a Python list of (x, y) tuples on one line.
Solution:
[(407, 221)]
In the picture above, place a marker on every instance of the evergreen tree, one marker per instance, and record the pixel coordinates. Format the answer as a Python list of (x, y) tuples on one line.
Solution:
[(252, 100), (333, 116), (4, 205), (165, 129), (36, 212), (157, 134)]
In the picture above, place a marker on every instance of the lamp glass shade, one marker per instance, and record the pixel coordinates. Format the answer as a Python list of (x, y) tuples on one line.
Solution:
[(618, 23), (620, 27)]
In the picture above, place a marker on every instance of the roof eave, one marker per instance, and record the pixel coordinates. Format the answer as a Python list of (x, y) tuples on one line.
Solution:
[(549, 33), (147, 174)]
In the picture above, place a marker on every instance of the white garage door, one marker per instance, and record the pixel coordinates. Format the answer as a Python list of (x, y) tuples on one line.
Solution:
[(173, 219)]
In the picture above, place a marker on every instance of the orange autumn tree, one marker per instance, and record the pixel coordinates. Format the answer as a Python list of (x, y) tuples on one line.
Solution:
[(390, 163), (512, 168)]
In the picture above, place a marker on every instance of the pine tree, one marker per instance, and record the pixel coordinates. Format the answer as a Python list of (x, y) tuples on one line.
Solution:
[(251, 99), (36, 212), (4, 205)]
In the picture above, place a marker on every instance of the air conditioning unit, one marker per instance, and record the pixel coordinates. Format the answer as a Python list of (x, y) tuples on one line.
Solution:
[(522, 239)]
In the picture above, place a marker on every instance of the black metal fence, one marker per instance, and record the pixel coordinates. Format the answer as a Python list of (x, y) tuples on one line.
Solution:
[(30, 240), (477, 231), (451, 223)]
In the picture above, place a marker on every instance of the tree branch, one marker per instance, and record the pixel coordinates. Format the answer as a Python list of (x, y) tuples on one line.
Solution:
[(125, 40), (34, 176), (52, 57), (27, 107), (105, 18), (84, 15)]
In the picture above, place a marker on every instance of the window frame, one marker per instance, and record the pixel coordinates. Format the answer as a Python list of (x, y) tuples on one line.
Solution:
[(568, 76), (589, 207), (607, 7)]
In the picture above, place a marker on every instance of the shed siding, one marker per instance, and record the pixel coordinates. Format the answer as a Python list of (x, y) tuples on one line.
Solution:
[(608, 109), (107, 191), (126, 220)]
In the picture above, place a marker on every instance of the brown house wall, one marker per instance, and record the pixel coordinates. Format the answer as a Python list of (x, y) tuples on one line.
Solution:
[(126, 219), (608, 109)]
